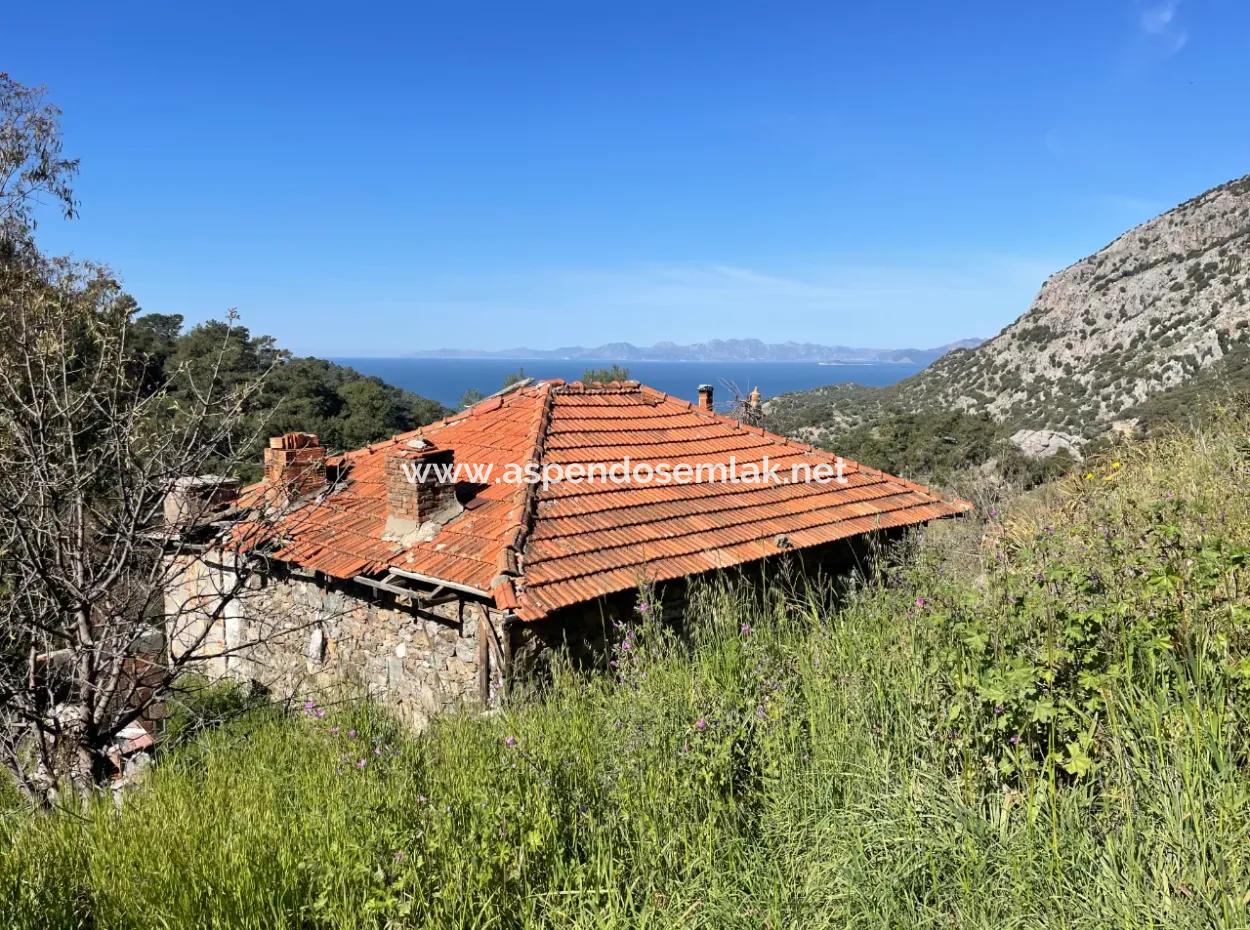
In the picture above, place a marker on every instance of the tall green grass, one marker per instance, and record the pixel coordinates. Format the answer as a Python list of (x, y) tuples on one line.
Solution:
[(1035, 721)]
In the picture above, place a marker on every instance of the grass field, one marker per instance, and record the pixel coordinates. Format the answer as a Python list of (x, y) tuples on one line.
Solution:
[(1040, 720)]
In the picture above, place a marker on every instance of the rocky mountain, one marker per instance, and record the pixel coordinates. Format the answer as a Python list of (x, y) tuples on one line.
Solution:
[(1105, 338), (716, 350)]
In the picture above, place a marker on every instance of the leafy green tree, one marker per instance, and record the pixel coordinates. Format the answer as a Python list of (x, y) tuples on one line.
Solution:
[(32, 168), (343, 407), (605, 375), (471, 397), (153, 335), (515, 377)]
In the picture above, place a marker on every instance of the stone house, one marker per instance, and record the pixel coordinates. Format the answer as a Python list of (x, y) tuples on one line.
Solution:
[(437, 567)]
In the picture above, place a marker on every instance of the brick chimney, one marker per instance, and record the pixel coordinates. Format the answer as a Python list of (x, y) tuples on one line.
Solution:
[(420, 490), (295, 464), (705, 397)]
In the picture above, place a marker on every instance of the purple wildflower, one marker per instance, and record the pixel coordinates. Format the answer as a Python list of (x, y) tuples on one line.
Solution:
[(642, 607), (319, 712), (998, 710), (510, 742), (1015, 740), (746, 629), (700, 724), (334, 731), (310, 706), (360, 764), (351, 734), (920, 602)]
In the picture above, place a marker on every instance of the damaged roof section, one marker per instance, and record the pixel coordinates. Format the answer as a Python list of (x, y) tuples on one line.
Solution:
[(535, 546)]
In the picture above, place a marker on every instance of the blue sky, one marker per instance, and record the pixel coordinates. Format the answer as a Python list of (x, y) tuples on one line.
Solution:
[(380, 178)]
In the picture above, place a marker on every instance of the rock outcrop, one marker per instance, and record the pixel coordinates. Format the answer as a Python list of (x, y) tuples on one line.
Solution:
[(1142, 316)]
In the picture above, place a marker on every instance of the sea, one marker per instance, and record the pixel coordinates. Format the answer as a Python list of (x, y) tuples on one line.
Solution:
[(446, 380)]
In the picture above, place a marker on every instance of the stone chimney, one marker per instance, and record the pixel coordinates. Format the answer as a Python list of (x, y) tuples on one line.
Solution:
[(193, 500), (705, 397), (295, 464), (420, 490), (754, 399)]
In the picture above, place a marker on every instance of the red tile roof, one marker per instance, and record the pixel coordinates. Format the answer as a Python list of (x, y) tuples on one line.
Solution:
[(536, 549)]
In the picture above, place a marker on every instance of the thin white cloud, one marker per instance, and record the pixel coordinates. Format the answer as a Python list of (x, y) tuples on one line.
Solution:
[(1157, 19), (1160, 26), (926, 302)]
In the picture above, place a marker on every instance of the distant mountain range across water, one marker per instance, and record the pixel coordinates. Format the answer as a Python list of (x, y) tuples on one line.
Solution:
[(716, 350)]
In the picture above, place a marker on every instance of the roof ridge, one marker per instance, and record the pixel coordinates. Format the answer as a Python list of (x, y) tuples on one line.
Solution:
[(511, 561), (627, 386)]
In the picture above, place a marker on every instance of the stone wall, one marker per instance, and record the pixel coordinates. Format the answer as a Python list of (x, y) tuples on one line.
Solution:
[(318, 638)]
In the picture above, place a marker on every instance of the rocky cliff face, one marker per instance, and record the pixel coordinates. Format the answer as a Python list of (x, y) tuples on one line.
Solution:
[(1161, 303)]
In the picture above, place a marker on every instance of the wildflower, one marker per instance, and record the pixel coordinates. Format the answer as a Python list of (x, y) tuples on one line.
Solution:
[(334, 731), (510, 742), (998, 710), (1015, 739), (993, 512), (351, 734), (319, 712), (920, 602), (310, 706), (360, 764), (746, 629), (760, 712), (642, 607), (1115, 465), (700, 724), (399, 857), (421, 799)]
